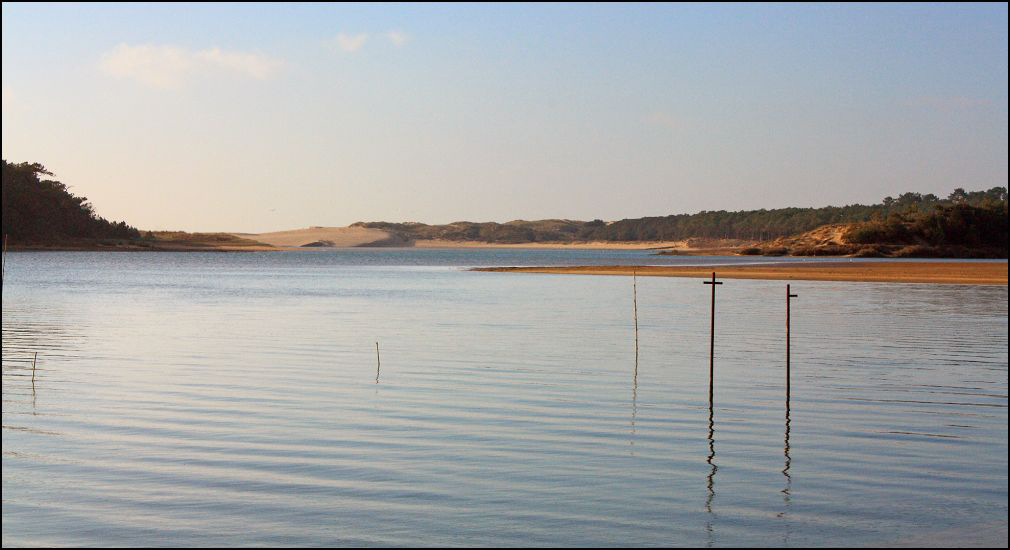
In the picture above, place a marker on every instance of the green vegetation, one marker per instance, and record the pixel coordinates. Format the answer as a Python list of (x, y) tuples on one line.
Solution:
[(748, 224), (958, 224), (37, 210), (780, 222), (959, 229), (954, 228)]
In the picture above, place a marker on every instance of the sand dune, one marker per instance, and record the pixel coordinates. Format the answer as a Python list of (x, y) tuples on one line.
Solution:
[(330, 237), (345, 237)]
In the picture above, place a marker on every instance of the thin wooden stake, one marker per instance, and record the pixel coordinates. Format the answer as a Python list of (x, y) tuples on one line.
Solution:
[(378, 363), (34, 359), (789, 298), (634, 299), (711, 348)]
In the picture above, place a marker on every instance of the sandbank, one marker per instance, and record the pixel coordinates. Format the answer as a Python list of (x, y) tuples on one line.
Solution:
[(596, 245), (965, 273)]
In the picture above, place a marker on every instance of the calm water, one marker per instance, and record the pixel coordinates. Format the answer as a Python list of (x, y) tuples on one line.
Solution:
[(233, 399)]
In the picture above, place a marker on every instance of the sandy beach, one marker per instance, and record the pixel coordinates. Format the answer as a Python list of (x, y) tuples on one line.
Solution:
[(965, 273)]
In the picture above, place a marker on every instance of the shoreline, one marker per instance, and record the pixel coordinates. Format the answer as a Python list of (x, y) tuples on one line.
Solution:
[(581, 245), (248, 242), (252, 243), (964, 273), (146, 247)]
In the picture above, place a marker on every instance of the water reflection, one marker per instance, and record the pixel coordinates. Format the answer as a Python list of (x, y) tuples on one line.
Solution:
[(785, 470), (787, 491), (166, 401), (634, 381), (711, 475), (634, 400)]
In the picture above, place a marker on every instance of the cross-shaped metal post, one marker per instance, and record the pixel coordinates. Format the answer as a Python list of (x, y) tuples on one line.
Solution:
[(789, 297), (711, 349)]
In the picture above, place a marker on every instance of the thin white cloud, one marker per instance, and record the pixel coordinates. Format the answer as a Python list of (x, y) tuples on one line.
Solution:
[(172, 66), (398, 38), (249, 64), (350, 42), (157, 66)]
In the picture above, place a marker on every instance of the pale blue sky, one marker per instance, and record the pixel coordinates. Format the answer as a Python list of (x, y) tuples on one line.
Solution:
[(258, 117)]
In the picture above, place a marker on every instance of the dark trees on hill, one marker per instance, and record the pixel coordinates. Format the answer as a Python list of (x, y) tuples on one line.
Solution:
[(958, 224), (782, 222), (748, 224), (39, 210)]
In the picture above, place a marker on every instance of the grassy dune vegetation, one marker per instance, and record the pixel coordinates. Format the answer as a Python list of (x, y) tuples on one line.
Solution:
[(958, 230)]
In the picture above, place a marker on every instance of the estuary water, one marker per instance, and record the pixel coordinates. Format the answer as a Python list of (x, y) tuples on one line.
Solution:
[(237, 399)]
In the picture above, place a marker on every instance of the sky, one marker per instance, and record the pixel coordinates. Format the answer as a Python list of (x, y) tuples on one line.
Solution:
[(208, 117)]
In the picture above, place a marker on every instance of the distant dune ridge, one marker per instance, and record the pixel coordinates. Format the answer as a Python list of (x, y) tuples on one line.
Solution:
[(328, 237), (361, 236)]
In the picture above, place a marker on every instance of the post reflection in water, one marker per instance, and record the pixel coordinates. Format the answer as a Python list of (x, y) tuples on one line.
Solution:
[(787, 491), (634, 379), (634, 401), (711, 474)]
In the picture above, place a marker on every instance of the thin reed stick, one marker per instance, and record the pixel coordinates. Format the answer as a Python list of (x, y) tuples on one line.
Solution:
[(34, 359), (711, 345), (634, 299), (378, 363), (789, 297)]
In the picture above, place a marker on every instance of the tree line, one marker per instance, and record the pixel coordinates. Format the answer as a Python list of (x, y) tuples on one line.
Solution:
[(39, 210), (982, 225), (746, 224)]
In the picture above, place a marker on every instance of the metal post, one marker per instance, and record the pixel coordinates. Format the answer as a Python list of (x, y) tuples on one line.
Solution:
[(789, 298), (711, 347)]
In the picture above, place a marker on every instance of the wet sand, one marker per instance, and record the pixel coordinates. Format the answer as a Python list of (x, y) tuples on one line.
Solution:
[(964, 273)]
